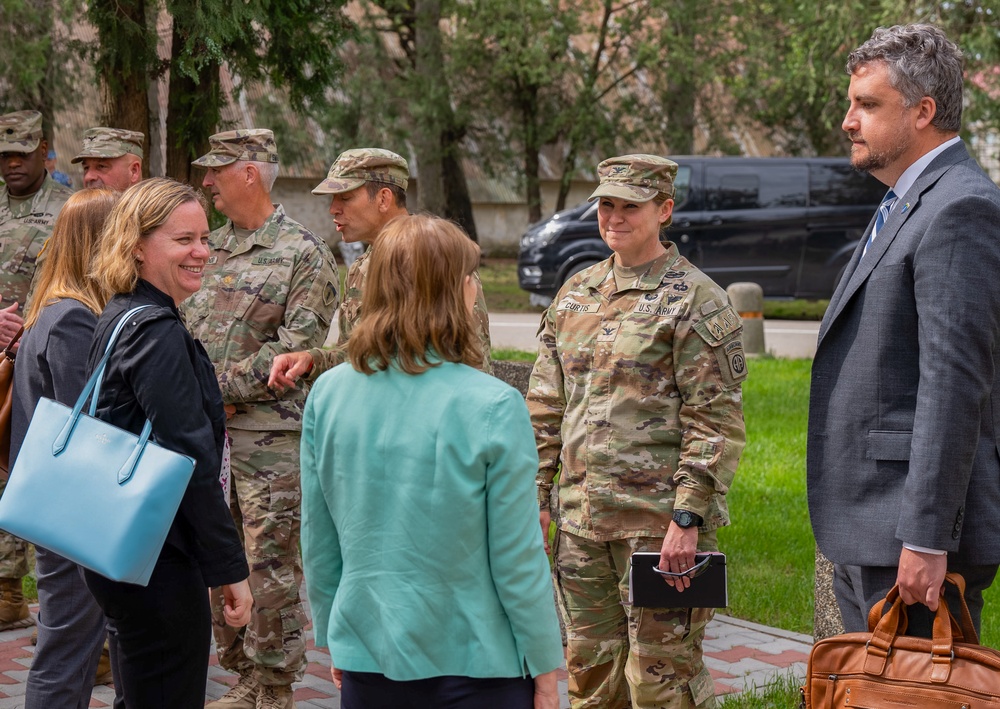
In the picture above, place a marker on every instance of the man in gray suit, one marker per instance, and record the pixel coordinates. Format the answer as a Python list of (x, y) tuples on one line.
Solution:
[(904, 420)]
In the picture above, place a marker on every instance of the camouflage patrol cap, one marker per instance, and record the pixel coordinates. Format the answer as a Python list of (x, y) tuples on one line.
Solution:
[(636, 178), (356, 167), (253, 144), (20, 132), (110, 143)]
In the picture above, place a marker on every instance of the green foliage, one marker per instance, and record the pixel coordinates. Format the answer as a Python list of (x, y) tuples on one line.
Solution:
[(512, 355), (795, 309), (793, 54), (782, 693), (36, 55)]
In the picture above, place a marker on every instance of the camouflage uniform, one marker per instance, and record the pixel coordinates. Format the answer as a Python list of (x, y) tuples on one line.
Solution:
[(351, 170), (636, 393), (25, 225), (350, 315), (270, 292)]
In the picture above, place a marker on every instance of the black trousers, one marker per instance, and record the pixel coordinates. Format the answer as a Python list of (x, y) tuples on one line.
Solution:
[(164, 633), (366, 690)]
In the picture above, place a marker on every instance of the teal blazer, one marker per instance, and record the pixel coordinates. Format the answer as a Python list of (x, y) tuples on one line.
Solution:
[(420, 538)]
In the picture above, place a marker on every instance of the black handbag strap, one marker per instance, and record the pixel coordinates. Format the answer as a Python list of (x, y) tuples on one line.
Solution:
[(8, 350)]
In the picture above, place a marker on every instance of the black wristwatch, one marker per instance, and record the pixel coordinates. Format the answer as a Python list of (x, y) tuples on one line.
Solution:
[(685, 519)]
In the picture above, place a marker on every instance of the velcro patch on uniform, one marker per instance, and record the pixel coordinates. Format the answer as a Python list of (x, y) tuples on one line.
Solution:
[(270, 261), (608, 333), (575, 307), (737, 360), (702, 687), (724, 323), (329, 294), (657, 309), (722, 332), (212, 260)]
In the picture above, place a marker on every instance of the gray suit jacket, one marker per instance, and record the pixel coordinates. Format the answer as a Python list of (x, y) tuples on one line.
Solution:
[(904, 416)]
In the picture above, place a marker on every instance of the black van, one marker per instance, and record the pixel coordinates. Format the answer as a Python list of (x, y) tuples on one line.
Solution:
[(789, 224)]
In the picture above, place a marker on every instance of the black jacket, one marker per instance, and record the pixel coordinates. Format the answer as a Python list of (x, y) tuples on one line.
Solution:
[(158, 371)]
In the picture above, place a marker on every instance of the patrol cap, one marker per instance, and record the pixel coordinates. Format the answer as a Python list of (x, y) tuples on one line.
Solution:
[(110, 143), (20, 132), (253, 144), (356, 167), (636, 178)]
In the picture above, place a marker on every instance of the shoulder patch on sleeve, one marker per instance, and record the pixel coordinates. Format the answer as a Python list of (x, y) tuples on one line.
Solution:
[(716, 328), (723, 333)]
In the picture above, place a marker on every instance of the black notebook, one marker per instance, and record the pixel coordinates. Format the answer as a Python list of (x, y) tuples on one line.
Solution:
[(648, 589)]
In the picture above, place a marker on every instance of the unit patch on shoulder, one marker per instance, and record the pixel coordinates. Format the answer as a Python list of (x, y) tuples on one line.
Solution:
[(329, 294), (722, 332)]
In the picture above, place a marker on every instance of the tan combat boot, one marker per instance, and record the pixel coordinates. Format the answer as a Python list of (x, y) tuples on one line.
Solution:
[(275, 697), (104, 674), (244, 695), (13, 609)]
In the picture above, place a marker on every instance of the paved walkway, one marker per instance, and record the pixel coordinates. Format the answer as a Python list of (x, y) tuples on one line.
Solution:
[(740, 655)]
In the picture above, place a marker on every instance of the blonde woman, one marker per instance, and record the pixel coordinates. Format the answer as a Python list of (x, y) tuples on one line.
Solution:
[(427, 578), (154, 246), (58, 329)]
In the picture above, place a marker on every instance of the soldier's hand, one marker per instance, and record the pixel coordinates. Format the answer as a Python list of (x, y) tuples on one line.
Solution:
[(10, 323), (677, 554), (287, 368), (546, 691), (238, 603)]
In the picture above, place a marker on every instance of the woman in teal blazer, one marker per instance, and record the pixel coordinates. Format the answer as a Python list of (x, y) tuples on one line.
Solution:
[(423, 563)]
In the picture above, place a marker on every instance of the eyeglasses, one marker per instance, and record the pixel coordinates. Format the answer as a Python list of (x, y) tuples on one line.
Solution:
[(695, 571)]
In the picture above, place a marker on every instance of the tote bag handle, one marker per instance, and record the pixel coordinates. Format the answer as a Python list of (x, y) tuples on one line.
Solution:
[(93, 385)]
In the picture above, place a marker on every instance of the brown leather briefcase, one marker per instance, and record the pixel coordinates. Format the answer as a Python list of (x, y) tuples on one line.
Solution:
[(884, 669)]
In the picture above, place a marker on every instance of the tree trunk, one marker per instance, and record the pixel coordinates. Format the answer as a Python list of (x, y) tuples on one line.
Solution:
[(192, 113), (458, 203), (122, 65), (532, 147), (428, 106)]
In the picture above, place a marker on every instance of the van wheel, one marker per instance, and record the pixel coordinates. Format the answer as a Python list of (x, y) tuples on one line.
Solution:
[(577, 267)]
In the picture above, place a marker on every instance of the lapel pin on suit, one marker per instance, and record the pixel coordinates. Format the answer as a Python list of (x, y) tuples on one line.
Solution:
[(905, 208)]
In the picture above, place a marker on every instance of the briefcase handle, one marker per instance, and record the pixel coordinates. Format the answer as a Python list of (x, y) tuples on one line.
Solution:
[(885, 628)]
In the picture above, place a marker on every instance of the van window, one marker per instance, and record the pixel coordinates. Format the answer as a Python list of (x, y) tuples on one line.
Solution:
[(682, 186), (742, 187), (833, 185)]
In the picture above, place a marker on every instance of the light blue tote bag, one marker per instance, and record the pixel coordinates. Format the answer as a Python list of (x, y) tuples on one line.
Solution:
[(91, 492)]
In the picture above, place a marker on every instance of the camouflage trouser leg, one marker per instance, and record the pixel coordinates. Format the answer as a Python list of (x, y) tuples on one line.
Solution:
[(13, 551), (619, 656), (266, 505)]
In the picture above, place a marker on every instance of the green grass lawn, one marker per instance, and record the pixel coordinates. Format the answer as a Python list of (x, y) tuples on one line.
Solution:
[(770, 544)]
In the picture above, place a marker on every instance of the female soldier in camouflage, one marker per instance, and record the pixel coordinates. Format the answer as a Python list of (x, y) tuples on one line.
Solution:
[(636, 395)]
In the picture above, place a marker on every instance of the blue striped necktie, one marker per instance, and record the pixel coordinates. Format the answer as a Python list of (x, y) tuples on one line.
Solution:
[(883, 213)]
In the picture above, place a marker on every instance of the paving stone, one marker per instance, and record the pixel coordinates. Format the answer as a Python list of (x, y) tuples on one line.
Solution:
[(739, 654)]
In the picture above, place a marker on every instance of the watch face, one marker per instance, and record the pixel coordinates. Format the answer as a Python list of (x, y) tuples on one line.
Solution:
[(683, 518)]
